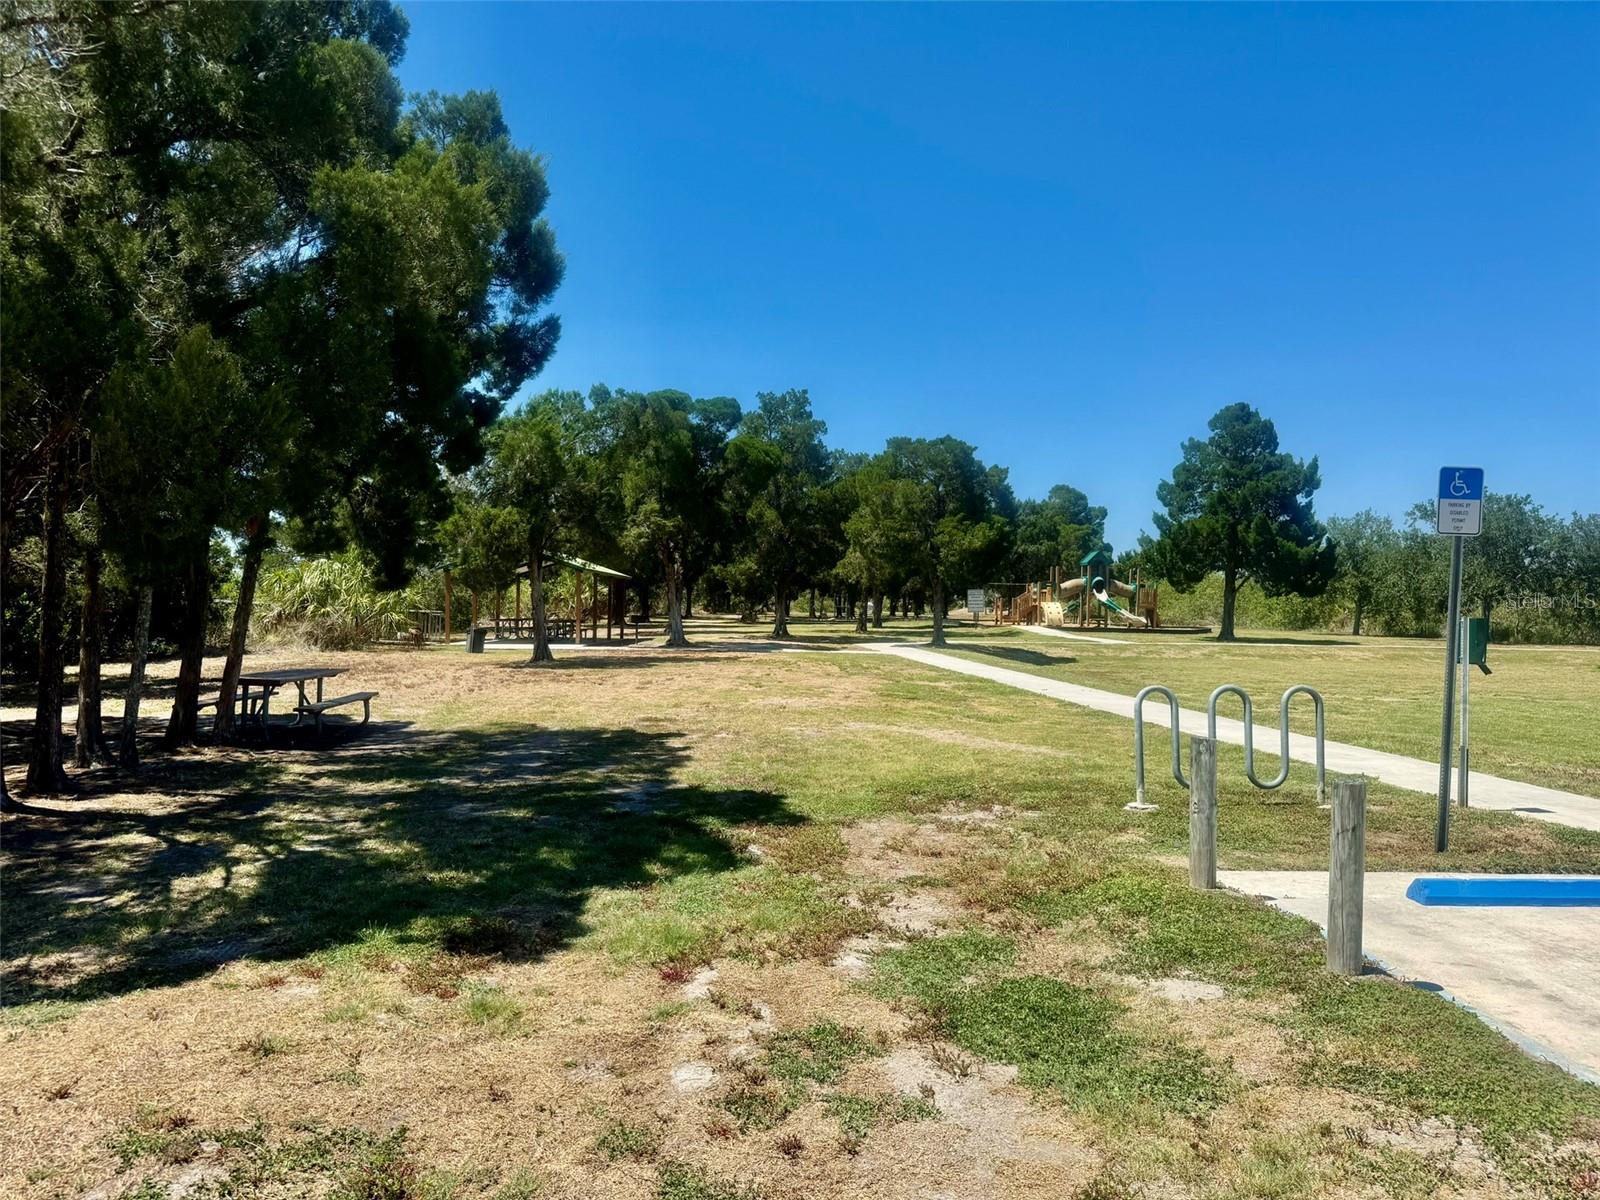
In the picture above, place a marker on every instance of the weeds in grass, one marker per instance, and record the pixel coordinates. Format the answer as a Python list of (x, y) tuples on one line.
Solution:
[(524, 1185), (818, 1054), (1059, 1036), (663, 1013), (755, 1106), (679, 1181), (621, 1139), (932, 970), (264, 1046), (811, 848), (859, 1115), (487, 1005), (382, 1170)]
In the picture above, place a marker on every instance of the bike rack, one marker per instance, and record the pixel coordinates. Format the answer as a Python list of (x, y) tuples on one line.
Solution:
[(1139, 804), (1283, 734)]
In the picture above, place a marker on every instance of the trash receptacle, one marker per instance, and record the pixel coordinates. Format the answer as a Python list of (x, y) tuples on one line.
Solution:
[(475, 640)]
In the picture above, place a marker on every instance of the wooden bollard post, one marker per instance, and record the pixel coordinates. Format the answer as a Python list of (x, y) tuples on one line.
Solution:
[(1202, 812), (1347, 875)]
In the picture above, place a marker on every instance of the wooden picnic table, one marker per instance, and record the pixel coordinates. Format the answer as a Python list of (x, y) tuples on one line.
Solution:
[(268, 682)]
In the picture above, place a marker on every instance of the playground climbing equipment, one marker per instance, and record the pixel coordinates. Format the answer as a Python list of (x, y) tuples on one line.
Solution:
[(1140, 804)]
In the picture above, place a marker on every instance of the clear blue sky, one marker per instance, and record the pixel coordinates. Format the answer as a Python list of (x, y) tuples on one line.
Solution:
[(1068, 234)]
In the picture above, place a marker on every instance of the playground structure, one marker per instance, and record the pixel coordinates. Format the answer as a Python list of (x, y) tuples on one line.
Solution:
[(1093, 600)]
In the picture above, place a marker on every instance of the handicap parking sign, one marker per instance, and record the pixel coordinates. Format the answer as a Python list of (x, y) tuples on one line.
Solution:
[(1461, 501)]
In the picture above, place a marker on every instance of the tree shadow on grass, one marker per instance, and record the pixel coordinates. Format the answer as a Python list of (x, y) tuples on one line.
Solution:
[(446, 839), (1016, 654), (1280, 641)]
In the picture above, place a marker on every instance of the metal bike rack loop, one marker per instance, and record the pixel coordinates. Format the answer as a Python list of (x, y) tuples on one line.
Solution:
[(1283, 733), (1138, 743)]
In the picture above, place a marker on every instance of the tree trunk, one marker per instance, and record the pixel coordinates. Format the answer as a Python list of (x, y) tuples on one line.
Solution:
[(780, 613), (688, 598), (184, 719), (675, 635), (541, 632), (877, 610), (813, 604), (89, 744), (254, 549), (1355, 620), (128, 748), (861, 616), (1230, 593), (45, 773), (938, 612)]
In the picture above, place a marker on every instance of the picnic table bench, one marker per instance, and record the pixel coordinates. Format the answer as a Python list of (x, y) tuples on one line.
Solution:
[(257, 708), (317, 708)]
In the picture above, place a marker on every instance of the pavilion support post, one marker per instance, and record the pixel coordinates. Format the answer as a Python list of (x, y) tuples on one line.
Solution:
[(611, 604), (519, 598)]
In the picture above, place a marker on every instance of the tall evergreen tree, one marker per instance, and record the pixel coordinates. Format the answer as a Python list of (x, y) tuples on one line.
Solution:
[(1238, 505)]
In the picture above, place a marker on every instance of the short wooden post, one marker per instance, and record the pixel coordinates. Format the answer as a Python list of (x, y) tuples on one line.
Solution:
[(1347, 873), (1202, 812)]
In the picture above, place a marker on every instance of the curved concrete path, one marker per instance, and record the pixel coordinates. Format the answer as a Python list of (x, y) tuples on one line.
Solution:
[(1397, 770)]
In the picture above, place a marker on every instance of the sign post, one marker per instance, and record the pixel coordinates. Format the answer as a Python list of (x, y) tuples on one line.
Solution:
[(1460, 515), (977, 604)]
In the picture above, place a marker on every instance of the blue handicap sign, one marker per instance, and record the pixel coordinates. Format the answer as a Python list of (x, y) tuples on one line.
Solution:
[(1461, 483)]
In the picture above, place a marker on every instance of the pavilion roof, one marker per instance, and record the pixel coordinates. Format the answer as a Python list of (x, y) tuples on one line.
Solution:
[(577, 564)]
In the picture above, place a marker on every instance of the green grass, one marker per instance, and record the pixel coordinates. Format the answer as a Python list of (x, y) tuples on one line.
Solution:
[(859, 1115), (679, 1181), (1063, 1037), (343, 1163), (499, 832), (819, 1054), (1532, 719), (490, 1007), (623, 1139)]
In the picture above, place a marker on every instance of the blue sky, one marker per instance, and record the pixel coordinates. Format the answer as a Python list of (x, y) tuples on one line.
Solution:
[(1069, 234)]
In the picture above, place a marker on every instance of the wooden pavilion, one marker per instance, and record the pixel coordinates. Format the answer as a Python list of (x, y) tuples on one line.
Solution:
[(571, 628)]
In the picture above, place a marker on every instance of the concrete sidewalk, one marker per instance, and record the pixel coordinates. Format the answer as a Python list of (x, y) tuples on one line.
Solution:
[(1397, 770), (1532, 973)]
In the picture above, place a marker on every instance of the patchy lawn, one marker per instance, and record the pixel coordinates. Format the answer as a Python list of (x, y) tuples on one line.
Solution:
[(727, 923)]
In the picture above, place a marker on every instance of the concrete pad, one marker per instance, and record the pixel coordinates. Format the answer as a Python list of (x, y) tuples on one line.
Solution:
[(1532, 973), (1397, 770)]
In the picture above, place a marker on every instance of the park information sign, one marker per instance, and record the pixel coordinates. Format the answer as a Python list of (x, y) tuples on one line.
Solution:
[(977, 600), (1461, 501)]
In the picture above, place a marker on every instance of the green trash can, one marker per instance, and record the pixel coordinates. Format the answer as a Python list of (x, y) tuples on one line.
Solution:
[(475, 638)]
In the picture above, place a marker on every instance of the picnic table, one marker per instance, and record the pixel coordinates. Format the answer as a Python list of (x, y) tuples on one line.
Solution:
[(258, 708)]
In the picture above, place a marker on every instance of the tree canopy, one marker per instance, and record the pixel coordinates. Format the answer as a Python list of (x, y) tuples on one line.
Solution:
[(1238, 505)]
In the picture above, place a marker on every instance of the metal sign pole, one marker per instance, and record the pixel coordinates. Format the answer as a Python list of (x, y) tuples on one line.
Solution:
[(1441, 838), (1466, 709)]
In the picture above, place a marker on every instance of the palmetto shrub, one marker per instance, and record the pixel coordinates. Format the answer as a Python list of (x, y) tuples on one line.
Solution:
[(328, 603)]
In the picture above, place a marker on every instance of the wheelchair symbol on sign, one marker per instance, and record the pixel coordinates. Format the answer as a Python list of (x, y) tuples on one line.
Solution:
[(1458, 486)]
